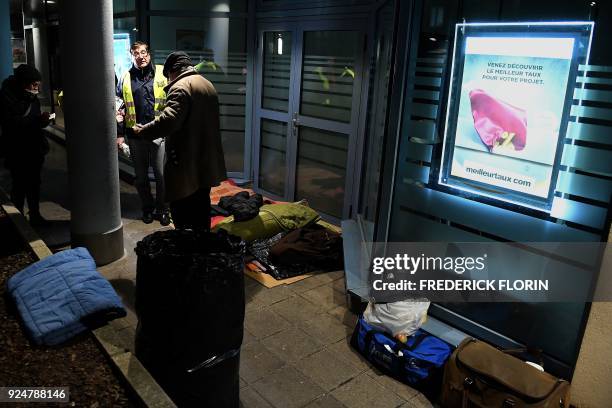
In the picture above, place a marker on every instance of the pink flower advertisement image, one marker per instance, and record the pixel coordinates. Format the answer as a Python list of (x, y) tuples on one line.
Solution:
[(510, 109)]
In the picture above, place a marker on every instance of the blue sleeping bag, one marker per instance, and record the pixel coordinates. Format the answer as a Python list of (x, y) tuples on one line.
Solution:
[(57, 296)]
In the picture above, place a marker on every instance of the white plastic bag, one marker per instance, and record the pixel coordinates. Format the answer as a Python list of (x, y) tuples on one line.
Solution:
[(401, 319), (125, 150)]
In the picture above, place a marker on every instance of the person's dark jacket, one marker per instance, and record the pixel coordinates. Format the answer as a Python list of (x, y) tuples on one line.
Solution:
[(22, 123), (142, 92), (190, 122)]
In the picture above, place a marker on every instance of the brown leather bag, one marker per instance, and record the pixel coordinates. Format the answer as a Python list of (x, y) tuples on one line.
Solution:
[(479, 375)]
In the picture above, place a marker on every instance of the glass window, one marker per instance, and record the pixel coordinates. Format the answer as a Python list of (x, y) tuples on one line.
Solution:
[(329, 74), (377, 111), (273, 156), (276, 71), (204, 5), (321, 169), (217, 45), (126, 25), (122, 6)]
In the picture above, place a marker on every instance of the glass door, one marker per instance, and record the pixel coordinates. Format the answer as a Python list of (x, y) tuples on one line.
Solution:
[(308, 114), (274, 109)]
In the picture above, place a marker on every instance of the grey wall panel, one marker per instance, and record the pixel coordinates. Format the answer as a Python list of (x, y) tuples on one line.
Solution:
[(595, 68), (487, 218), (418, 152), (596, 81), (590, 112), (427, 81), (425, 110), (411, 173), (420, 228), (231, 123), (431, 60), (423, 129), (232, 99), (593, 95), (588, 159), (580, 213), (585, 186), (434, 70), (424, 94), (589, 133), (229, 110), (224, 87)]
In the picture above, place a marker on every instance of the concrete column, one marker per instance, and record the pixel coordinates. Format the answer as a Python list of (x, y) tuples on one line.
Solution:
[(88, 79), (218, 33), (41, 58), (6, 50)]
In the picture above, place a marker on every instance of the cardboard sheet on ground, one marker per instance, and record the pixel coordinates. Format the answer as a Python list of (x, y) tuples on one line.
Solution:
[(268, 281)]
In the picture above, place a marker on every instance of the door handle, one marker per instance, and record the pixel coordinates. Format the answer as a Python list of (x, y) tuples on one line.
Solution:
[(295, 123)]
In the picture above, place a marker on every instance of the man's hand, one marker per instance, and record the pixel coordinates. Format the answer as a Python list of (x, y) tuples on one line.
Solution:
[(137, 128), (120, 141)]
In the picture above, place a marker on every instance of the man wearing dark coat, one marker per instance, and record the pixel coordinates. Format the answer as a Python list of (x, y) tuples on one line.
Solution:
[(194, 154), (24, 144)]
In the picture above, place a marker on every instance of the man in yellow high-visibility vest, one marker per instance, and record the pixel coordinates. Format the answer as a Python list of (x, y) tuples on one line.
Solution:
[(142, 90)]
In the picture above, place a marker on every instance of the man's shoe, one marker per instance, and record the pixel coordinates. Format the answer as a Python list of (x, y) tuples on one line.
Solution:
[(164, 219), (37, 220), (147, 217)]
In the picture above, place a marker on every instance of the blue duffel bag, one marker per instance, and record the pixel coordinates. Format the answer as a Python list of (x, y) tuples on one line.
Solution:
[(418, 362)]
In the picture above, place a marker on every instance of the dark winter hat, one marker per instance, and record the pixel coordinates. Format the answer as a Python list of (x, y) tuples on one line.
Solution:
[(177, 61), (26, 74)]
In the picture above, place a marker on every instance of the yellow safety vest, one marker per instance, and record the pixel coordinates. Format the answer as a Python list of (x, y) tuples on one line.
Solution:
[(159, 82)]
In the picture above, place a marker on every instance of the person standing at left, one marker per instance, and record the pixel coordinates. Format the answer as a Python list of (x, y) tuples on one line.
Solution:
[(24, 143), (142, 91)]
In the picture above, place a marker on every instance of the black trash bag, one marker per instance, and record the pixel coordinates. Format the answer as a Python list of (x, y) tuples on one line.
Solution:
[(190, 308)]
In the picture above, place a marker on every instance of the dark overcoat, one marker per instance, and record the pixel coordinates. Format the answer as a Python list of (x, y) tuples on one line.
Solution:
[(190, 124)]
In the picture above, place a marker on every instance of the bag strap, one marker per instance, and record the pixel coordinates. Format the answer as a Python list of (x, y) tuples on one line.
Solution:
[(418, 339), (368, 338)]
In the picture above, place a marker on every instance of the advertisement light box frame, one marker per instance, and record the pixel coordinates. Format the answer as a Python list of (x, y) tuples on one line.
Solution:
[(510, 81)]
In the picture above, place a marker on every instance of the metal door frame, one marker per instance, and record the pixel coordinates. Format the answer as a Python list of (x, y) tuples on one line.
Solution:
[(262, 113)]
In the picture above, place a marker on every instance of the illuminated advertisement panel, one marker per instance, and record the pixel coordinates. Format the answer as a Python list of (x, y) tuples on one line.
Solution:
[(512, 88)]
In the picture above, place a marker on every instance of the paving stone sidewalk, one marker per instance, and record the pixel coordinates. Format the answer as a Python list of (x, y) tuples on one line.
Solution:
[(296, 349)]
